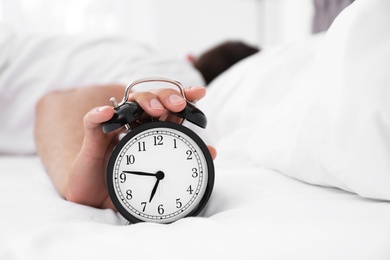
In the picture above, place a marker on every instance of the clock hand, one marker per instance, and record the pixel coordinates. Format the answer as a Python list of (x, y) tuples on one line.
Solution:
[(141, 173), (154, 190), (159, 175)]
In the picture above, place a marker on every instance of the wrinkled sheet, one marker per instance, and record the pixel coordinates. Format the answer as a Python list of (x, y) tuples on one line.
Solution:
[(254, 213)]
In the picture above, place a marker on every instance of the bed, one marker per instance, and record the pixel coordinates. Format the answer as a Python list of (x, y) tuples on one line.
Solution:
[(302, 132), (255, 213)]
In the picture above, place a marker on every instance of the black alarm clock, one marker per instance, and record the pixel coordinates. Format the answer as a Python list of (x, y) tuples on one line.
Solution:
[(159, 171)]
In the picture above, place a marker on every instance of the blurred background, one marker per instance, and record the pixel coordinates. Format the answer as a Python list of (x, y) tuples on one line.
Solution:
[(181, 27)]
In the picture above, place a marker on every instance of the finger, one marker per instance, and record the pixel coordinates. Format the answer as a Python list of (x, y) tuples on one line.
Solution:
[(96, 116), (192, 94), (213, 151), (195, 93), (95, 141), (149, 102), (156, 101), (171, 99)]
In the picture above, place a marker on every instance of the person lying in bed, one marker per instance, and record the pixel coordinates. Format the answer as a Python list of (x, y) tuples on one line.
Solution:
[(75, 151), (68, 134)]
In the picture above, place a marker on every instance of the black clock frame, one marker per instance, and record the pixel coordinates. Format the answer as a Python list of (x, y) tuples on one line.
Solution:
[(157, 124)]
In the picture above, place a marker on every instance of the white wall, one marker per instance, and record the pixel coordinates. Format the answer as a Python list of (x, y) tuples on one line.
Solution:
[(286, 20), (192, 25), (171, 25)]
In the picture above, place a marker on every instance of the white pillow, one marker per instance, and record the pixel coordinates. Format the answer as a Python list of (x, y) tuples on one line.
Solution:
[(317, 115), (335, 129), (248, 93)]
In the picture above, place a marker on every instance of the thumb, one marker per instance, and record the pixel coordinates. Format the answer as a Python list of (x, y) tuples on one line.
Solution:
[(95, 141)]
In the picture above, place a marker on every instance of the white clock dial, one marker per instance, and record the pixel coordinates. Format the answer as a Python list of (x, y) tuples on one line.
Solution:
[(160, 174)]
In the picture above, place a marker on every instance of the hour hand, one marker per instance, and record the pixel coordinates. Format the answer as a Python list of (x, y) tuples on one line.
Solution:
[(154, 190), (141, 173), (159, 175)]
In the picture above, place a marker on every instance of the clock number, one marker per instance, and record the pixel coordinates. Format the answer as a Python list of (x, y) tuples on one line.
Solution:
[(189, 155), (122, 176), (160, 209), (174, 143), (129, 194), (141, 147), (158, 140), (178, 204), (130, 159), (143, 204), (190, 190), (194, 172)]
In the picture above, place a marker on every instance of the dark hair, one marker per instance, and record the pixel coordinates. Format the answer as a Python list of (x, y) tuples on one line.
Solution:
[(218, 59)]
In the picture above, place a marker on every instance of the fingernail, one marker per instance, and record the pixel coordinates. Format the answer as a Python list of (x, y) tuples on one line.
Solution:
[(100, 109), (196, 87), (176, 99), (154, 103)]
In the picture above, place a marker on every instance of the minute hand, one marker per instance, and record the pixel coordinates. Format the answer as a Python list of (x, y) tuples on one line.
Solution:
[(140, 173)]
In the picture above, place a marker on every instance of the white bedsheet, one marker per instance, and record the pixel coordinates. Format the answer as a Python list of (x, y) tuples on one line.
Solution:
[(254, 213)]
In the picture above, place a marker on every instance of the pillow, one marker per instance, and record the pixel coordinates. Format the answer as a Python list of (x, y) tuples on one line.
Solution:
[(248, 93), (334, 130), (317, 111)]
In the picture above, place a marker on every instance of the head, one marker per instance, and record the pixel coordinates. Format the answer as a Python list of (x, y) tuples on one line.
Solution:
[(218, 59)]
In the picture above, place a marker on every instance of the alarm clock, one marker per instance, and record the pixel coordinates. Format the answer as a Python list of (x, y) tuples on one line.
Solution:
[(159, 171)]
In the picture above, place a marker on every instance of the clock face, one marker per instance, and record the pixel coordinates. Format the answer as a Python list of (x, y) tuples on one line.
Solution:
[(160, 172)]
